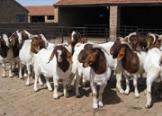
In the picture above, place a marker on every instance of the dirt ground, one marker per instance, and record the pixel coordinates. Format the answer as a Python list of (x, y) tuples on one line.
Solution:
[(16, 99)]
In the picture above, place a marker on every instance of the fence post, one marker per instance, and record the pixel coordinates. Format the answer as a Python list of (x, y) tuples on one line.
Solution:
[(62, 35), (84, 33), (106, 34)]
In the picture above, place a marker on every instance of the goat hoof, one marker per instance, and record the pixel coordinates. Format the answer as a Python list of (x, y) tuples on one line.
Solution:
[(20, 77), (137, 95), (3, 76), (55, 97), (95, 106), (27, 84), (10, 76), (67, 96), (148, 106), (35, 90), (41, 83), (126, 92), (50, 90), (25, 75), (100, 104), (78, 96), (120, 91)]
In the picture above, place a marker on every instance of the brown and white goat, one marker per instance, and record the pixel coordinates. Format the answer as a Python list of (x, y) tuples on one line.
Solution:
[(129, 62), (95, 66), (6, 55), (55, 63)]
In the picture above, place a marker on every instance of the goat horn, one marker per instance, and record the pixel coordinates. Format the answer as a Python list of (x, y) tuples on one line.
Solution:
[(131, 34), (153, 36)]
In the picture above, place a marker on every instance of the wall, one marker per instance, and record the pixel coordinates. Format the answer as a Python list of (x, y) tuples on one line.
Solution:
[(9, 9)]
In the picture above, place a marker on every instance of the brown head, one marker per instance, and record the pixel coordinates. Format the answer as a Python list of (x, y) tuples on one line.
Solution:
[(63, 57), (37, 44), (138, 41), (93, 57), (124, 54)]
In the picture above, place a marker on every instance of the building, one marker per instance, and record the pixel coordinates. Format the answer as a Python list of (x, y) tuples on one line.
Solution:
[(12, 12), (39, 14), (115, 14)]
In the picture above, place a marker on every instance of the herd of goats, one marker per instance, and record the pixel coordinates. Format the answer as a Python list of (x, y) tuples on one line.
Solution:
[(128, 57)]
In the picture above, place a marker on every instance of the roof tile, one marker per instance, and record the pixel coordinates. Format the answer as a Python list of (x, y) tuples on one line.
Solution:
[(40, 10), (93, 2)]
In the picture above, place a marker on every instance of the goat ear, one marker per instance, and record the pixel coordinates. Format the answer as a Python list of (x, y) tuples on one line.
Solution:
[(81, 56), (93, 55), (69, 56), (121, 54)]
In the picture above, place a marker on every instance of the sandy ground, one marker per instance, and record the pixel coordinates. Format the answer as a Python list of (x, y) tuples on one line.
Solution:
[(16, 99)]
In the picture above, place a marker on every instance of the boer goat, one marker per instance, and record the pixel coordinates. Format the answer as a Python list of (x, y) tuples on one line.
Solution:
[(28, 50), (74, 39), (17, 39), (129, 62), (137, 41), (94, 60), (153, 69), (56, 63), (6, 55), (20, 44)]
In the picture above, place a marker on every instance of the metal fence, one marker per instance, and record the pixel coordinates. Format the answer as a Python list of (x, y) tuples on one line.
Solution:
[(125, 30), (52, 31)]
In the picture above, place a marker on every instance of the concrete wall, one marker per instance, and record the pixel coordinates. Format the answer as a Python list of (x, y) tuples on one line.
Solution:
[(9, 9)]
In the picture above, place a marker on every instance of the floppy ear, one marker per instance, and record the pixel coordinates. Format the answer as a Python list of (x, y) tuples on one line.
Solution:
[(93, 56), (121, 54), (81, 56), (69, 56)]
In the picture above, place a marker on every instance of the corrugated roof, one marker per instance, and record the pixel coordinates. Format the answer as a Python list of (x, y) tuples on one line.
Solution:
[(100, 2), (40, 10)]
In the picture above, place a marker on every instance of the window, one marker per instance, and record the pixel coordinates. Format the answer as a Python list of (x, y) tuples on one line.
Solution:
[(20, 18), (50, 17), (38, 19)]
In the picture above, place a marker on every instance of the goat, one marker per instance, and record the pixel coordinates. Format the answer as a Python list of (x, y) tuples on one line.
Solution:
[(6, 54), (153, 69), (95, 61), (27, 52), (54, 63), (129, 62)]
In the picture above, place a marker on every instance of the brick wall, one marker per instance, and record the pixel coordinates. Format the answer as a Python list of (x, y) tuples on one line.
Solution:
[(9, 9), (113, 22)]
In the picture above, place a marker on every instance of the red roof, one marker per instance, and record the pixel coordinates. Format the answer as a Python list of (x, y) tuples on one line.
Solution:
[(100, 2), (40, 10)]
